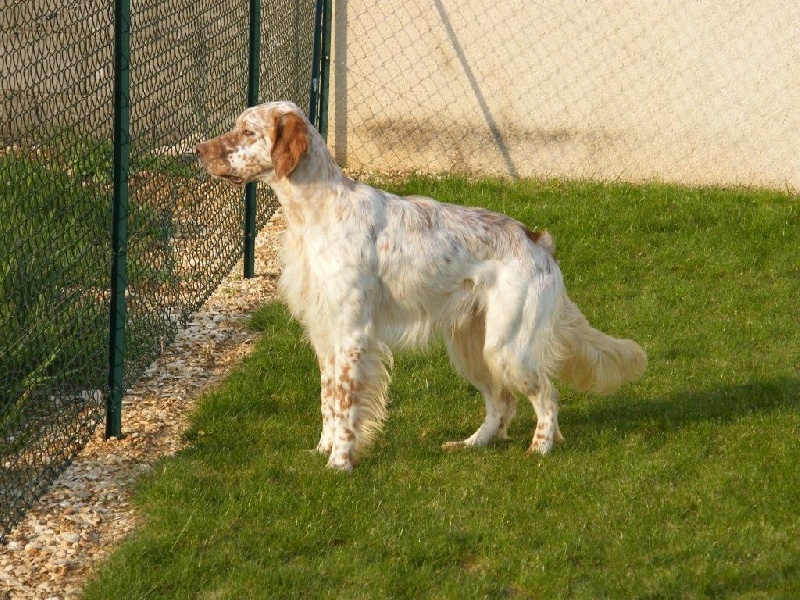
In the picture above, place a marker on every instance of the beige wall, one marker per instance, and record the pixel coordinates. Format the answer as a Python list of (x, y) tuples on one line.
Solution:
[(700, 92)]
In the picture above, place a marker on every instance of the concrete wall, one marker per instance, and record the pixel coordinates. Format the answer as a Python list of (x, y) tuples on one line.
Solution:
[(699, 92), (189, 67), (55, 66)]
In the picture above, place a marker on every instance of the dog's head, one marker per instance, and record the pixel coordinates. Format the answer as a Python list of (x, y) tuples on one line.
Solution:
[(266, 144)]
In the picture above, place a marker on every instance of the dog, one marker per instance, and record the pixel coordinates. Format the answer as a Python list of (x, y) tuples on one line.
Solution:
[(365, 271)]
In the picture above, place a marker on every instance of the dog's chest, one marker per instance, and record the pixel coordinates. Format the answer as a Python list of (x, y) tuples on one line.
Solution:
[(318, 270)]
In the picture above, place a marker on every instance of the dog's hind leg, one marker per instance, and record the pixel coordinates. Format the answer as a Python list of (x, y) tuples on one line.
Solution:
[(465, 347), (545, 403), (493, 425), (510, 401)]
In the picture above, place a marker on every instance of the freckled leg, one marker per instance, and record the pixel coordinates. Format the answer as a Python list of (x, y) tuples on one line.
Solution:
[(326, 368), (359, 406), (360, 375), (347, 385), (492, 426), (545, 403), (510, 401), (465, 347), (500, 404)]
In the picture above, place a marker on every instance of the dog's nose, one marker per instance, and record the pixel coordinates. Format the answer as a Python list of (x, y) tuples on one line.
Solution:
[(199, 149)]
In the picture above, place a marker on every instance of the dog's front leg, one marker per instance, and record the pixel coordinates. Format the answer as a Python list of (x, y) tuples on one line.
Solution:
[(346, 400), (327, 370)]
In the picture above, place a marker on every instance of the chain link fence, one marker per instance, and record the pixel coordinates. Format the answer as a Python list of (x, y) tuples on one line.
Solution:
[(188, 81), (693, 92)]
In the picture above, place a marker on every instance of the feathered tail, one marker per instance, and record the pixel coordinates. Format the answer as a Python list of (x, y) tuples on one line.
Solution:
[(590, 360)]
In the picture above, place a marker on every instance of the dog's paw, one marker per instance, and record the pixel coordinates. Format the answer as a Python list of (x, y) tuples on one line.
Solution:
[(323, 448), (340, 462), (540, 445), (454, 445)]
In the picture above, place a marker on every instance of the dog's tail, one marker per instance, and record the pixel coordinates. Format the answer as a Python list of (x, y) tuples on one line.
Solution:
[(590, 360)]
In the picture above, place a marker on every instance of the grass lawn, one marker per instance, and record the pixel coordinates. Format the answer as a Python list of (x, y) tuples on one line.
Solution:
[(685, 484)]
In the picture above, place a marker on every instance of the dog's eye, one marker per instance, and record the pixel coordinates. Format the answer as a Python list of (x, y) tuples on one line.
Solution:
[(249, 132)]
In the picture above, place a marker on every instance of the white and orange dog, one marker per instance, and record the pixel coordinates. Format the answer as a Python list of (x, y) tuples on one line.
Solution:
[(364, 270)]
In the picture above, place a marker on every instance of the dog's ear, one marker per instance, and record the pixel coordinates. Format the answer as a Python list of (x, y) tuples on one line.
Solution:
[(291, 142)]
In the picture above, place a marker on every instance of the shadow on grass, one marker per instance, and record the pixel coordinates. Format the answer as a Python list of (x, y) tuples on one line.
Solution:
[(624, 414)]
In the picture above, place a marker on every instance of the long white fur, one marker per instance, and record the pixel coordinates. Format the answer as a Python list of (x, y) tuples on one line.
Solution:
[(365, 270)]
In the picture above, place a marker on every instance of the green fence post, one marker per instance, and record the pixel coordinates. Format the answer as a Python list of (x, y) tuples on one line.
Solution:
[(119, 217), (313, 101), (252, 99), (326, 69), (320, 68)]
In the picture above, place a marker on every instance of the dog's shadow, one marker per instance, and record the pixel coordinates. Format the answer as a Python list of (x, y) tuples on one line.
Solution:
[(657, 418), (593, 422)]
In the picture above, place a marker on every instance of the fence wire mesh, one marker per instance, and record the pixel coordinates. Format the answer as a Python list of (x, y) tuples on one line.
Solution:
[(698, 92), (54, 218), (188, 81)]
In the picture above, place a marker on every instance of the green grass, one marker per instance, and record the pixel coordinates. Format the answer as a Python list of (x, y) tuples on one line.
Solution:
[(684, 484)]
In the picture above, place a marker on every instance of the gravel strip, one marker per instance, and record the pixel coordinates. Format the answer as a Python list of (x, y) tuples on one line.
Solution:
[(77, 523)]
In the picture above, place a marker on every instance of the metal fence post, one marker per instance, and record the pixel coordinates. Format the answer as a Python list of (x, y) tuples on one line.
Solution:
[(119, 216), (252, 99), (320, 68), (326, 69), (313, 101)]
